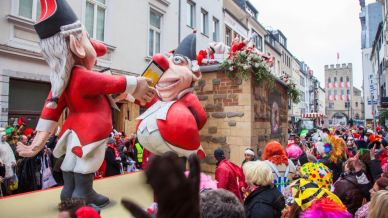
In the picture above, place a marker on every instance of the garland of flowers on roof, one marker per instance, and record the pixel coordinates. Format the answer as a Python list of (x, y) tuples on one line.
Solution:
[(244, 60), (292, 92)]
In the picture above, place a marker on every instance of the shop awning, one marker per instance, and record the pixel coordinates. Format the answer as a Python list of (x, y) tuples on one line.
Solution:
[(313, 115)]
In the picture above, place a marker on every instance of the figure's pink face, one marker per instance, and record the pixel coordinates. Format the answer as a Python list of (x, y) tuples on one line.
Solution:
[(176, 78)]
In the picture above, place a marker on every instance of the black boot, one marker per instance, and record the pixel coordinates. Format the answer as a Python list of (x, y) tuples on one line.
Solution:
[(68, 185), (84, 189)]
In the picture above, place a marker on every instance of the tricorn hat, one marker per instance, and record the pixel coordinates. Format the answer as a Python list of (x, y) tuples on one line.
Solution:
[(54, 15), (188, 47)]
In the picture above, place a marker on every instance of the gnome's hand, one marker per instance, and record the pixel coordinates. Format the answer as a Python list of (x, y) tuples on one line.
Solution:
[(35, 147), (143, 92), (176, 194)]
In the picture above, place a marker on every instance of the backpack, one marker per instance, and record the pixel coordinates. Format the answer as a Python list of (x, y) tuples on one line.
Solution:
[(281, 182)]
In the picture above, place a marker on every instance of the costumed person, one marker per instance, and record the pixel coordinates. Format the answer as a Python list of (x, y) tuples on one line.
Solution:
[(228, 175), (138, 154), (317, 173), (310, 198), (380, 184), (206, 56), (283, 169), (238, 45), (353, 185), (332, 151), (71, 55), (249, 155), (7, 165), (173, 118), (112, 160), (294, 152)]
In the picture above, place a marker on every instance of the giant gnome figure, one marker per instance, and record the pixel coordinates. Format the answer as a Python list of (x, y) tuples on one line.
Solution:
[(173, 118), (71, 55)]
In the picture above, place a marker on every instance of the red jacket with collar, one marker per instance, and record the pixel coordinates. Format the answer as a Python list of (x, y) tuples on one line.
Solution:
[(184, 120), (90, 113), (230, 177)]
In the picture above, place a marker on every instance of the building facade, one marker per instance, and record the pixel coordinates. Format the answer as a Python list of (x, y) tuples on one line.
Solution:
[(370, 17), (339, 93), (321, 101), (272, 47), (204, 16), (357, 105)]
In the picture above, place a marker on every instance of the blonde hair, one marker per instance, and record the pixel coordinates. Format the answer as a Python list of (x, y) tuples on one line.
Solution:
[(378, 205), (258, 173)]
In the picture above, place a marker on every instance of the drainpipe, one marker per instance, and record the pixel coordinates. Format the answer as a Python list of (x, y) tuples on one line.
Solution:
[(179, 21)]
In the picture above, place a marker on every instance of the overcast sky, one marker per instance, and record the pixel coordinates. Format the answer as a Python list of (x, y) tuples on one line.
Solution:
[(316, 30)]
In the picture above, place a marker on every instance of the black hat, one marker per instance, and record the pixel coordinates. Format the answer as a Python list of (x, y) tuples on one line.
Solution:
[(54, 14), (219, 154), (188, 47)]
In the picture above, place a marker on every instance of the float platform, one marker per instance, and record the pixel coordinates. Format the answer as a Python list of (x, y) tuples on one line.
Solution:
[(43, 203)]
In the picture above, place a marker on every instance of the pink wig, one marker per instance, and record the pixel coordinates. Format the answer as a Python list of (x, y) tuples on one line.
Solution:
[(326, 208), (294, 151), (206, 182)]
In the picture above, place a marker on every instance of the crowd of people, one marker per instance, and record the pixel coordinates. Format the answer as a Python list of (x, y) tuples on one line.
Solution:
[(18, 175), (339, 172)]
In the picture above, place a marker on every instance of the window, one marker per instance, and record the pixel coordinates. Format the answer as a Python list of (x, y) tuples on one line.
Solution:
[(154, 33), (341, 79), (237, 35), (216, 29), (356, 104), (329, 93), (228, 36), (331, 105), (342, 92), (29, 9), (95, 18), (335, 92), (190, 11), (335, 79), (347, 79), (348, 92), (204, 22), (329, 80), (302, 81), (302, 96), (258, 40)]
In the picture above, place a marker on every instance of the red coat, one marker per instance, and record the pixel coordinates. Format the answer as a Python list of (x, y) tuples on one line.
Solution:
[(230, 177), (184, 120), (90, 113), (203, 55)]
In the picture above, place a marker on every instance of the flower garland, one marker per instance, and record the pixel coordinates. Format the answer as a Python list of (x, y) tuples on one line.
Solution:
[(245, 61)]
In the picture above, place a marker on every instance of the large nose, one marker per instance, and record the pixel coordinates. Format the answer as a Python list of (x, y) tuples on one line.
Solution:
[(100, 48), (161, 60)]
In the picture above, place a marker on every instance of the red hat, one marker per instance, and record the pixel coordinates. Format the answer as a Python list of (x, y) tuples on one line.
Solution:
[(28, 131), (100, 48), (21, 121)]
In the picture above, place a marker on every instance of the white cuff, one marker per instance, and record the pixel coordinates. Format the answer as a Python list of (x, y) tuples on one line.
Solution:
[(131, 84), (46, 125)]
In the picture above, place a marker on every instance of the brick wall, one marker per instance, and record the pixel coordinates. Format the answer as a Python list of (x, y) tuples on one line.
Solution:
[(239, 115)]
